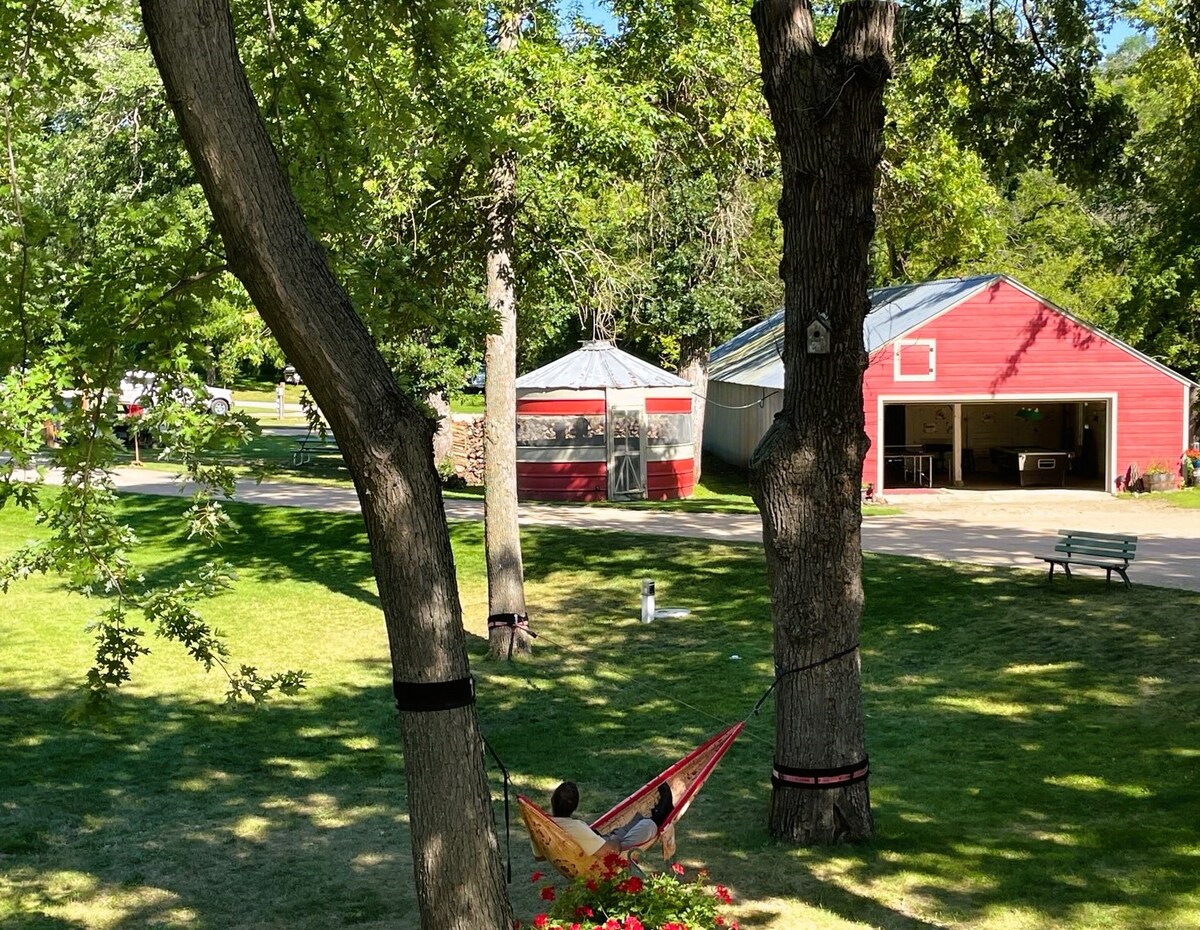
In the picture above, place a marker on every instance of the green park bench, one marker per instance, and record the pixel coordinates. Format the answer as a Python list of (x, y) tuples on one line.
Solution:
[(1110, 551)]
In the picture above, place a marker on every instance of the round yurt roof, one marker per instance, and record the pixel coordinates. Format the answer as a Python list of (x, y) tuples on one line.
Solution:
[(598, 364)]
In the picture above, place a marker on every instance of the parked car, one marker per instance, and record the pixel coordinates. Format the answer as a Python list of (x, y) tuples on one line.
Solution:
[(476, 383), (139, 388)]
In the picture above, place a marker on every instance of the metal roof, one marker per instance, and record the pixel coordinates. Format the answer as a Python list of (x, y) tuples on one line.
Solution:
[(755, 356), (598, 364)]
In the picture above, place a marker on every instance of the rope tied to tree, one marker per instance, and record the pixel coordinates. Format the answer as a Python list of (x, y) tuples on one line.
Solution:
[(514, 622)]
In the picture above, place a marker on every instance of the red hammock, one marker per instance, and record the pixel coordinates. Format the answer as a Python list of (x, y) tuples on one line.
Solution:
[(684, 778)]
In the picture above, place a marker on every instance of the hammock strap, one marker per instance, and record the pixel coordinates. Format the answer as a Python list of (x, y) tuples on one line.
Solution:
[(507, 830), (514, 622), (427, 696), (779, 676), (786, 776)]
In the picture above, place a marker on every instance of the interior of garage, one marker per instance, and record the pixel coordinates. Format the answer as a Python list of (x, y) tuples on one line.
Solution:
[(1003, 444)]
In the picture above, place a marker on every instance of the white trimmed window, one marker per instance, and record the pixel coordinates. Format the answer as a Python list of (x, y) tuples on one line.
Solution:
[(914, 360)]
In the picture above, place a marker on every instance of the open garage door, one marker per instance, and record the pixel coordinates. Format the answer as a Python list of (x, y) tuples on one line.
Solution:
[(1035, 442)]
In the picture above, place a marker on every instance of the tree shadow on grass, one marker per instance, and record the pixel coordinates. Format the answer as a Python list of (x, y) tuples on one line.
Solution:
[(1033, 750)]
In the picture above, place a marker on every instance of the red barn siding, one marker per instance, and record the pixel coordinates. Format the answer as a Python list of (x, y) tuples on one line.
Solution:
[(1002, 344)]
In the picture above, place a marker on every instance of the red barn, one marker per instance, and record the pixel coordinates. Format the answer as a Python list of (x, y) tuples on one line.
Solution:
[(601, 424), (975, 382)]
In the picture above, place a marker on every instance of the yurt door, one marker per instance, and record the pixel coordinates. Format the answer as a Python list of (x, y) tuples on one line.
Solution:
[(626, 458)]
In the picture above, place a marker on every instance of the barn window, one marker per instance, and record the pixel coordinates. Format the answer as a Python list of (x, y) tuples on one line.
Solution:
[(915, 360)]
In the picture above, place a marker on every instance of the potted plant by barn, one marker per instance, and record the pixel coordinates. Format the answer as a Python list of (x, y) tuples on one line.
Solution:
[(1159, 477), (1193, 455)]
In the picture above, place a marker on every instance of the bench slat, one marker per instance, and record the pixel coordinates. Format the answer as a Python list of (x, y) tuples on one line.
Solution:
[(1123, 552), (1097, 564), (1094, 553), (1088, 534), (1089, 544)]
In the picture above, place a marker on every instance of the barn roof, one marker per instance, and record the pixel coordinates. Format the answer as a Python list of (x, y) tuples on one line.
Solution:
[(598, 364), (754, 356)]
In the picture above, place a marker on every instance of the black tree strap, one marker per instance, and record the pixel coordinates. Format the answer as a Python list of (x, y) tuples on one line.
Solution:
[(424, 696), (779, 676), (785, 776), (514, 622), (510, 620), (507, 830)]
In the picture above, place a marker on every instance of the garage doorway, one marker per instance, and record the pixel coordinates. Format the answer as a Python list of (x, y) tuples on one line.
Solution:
[(985, 444)]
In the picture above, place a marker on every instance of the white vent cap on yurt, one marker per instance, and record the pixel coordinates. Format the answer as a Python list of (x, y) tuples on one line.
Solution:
[(598, 364)]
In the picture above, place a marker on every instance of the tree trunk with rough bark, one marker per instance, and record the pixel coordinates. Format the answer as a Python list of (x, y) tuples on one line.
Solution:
[(694, 368), (384, 436), (826, 104), (502, 534)]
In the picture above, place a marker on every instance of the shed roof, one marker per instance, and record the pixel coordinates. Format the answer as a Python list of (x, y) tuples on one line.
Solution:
[(755, 356), (598, 364)]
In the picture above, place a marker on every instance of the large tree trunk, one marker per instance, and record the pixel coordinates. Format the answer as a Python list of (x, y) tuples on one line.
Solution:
[(505, 570), (826, 104), (385, 438)]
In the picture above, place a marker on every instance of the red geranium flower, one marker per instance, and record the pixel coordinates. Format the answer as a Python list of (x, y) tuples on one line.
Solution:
[(548, 893), (631, 885), (591, 885), (535, 876), (583, 911), (723, 895), (678, 870), (541, 920), (632, 923)]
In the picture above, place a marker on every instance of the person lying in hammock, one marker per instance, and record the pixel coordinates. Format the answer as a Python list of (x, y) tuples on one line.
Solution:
[(562, 806), (642, 831)]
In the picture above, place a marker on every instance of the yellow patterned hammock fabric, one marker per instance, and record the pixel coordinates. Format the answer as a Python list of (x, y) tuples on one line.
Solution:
[(685, 777)]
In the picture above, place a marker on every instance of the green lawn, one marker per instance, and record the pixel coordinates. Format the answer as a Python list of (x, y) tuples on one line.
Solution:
[(1034, 749)]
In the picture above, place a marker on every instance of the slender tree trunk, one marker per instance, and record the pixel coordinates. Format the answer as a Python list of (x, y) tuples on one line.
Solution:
[(385, 438), (505, 570), (826, 105), (694, 368)]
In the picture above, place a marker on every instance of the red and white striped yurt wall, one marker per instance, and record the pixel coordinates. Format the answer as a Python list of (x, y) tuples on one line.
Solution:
[(562, 444), (671, 459)]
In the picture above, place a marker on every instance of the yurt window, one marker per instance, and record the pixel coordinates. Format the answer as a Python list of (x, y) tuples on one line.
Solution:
[(582, 430), (668, 429)]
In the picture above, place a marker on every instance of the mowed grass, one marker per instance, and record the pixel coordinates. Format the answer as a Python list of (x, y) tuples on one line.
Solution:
[(1034, 749)]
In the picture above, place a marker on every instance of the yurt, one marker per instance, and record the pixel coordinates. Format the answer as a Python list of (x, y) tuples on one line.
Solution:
[(599, 424)]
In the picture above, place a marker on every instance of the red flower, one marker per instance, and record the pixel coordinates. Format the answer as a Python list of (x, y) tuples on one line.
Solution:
[(720, 921), (548, 893), (704, 873), (541, 920), (678, 870), (591, 885), (673, 926), (535, 876), (632, 923), (631, 885), (583, 911), (733, 926), (612, 924), (723, 895)]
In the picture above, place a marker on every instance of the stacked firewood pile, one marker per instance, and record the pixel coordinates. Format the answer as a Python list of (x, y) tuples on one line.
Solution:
[(468, 447)]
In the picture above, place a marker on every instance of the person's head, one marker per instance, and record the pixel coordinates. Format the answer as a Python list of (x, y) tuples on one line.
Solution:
[(565, 799), (663, 806)]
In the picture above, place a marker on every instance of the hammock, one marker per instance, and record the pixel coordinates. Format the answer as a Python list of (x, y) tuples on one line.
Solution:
[(684, 778)]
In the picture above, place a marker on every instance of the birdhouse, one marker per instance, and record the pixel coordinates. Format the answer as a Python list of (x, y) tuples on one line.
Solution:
[(818, 337)]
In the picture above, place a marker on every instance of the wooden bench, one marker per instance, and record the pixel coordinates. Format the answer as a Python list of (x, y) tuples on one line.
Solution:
[(312, 445), (1110, 551)]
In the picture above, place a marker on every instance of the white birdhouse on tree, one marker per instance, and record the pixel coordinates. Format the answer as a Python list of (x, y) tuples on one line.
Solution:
[(818, 336)]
